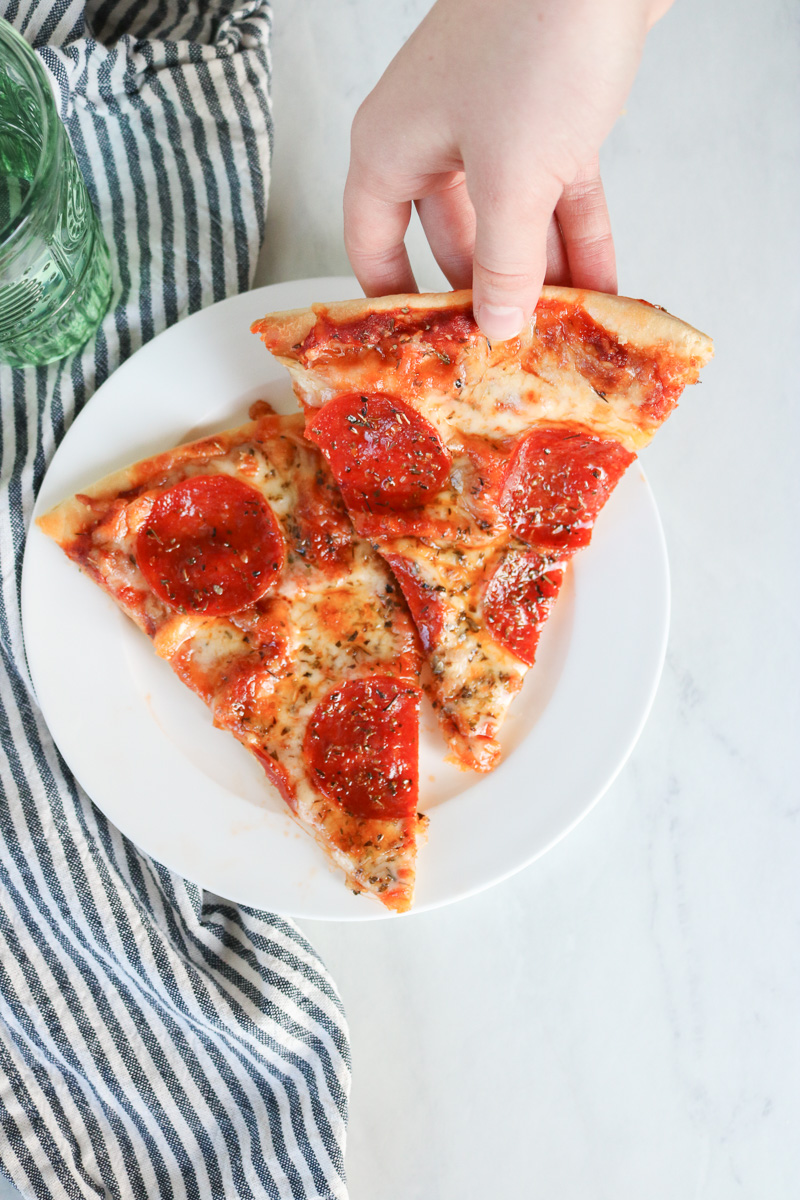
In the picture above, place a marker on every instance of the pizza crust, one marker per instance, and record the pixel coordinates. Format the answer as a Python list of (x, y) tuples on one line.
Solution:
[(69, 518), (64, 522), (633, 321)]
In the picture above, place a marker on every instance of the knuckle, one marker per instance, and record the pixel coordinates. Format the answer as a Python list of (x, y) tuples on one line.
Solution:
[(589, 172), (591, 242), (362, 129), (371, 161), (497, 203), (503, 283), (589, 227), (376, 259), (587, 192), (509, 191), (365, 248)]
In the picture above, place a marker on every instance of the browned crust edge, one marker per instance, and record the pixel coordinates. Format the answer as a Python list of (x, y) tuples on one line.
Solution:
[(632, 320), (69, 518)]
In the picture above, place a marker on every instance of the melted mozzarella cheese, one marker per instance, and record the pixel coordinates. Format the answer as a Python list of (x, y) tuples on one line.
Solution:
[(474, 677), (495, 401)]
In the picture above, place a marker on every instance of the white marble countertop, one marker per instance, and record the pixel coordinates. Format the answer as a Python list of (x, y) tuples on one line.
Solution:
[(622, 1019)]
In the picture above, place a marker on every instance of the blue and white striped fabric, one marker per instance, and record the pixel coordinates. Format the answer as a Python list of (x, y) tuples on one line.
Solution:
[(155, 1040)]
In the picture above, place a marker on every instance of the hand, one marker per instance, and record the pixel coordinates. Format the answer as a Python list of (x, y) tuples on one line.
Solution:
[(490, 120)]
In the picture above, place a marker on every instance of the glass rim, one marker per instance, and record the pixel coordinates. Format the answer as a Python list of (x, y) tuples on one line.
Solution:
[(11, 41)]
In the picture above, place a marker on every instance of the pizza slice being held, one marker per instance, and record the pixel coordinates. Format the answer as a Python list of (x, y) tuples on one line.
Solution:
[(476, 469), (236, 556)]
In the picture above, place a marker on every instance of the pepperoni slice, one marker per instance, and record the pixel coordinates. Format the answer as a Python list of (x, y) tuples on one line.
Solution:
[(277, 775), (482, 478), (518, 600), (422, 598), (323, 528), (384, 453), (558, 480), (361, 747), (210, 545)]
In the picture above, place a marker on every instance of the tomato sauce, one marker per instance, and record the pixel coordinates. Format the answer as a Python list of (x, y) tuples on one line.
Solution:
[(442, 328), (604, 361)]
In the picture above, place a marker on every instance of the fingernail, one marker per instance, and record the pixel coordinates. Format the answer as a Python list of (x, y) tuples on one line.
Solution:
[(500, 323)]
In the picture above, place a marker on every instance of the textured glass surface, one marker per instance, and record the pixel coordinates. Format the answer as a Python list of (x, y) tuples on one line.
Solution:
[(55, 280)]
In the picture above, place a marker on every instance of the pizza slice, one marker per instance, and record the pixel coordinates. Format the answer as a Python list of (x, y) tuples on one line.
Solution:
[(476, 469), (235, 555)]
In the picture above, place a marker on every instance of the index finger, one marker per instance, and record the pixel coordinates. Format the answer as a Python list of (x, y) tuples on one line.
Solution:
[(374, 233)]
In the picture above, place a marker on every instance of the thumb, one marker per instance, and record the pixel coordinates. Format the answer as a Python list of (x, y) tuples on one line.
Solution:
[(510, 257)]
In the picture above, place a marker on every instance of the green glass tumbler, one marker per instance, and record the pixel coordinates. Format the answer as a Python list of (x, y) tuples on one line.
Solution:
[(55, 277)]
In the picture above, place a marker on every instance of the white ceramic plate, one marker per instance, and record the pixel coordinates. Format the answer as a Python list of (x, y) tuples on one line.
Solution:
[(144, 748)]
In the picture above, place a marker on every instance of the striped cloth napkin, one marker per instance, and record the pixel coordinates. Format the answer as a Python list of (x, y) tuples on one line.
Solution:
[(155, 1040)]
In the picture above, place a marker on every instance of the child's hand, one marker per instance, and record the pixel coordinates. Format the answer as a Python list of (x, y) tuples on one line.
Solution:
[(490, 119)]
